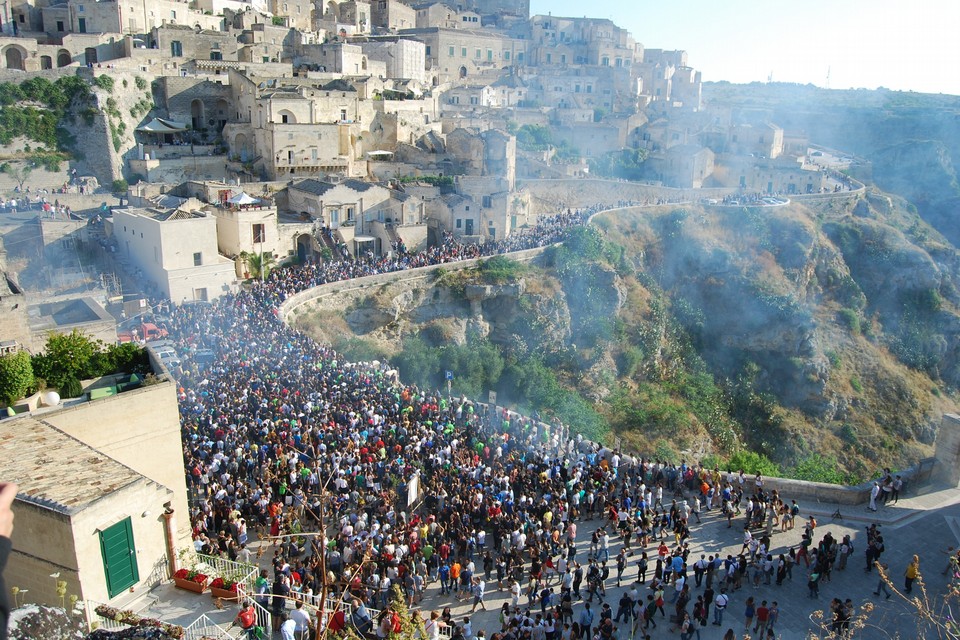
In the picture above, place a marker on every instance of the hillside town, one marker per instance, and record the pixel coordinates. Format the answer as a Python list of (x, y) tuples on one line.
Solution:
[(349, 127), (220, 158)]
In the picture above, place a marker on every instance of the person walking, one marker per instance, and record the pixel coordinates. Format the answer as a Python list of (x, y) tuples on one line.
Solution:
[(913, 570), (479, 589), (719, 604)]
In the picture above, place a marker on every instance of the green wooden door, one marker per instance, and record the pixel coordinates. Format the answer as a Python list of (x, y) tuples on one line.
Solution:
[(119, 557)]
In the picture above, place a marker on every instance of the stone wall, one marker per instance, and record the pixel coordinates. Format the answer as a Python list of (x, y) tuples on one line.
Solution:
[(291, 308), (551, 195)]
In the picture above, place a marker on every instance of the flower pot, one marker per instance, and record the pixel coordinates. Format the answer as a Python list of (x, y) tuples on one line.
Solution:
[(224, 594), (190, 585)]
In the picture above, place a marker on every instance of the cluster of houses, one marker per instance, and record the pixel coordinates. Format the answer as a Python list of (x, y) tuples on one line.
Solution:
[(358, 124)]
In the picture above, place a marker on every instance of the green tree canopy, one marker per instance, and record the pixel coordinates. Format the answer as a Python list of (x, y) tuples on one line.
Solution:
[(16, 376)]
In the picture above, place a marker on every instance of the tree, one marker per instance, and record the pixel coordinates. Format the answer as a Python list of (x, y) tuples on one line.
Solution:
[(19, 171), (260, 264), (65, 356), (16, 376)]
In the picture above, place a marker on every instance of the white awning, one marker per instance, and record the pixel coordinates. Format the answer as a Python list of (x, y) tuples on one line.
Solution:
[(359, 239)]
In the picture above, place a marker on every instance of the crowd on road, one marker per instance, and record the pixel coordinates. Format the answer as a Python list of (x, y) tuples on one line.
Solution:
[(288, 281), (279, 434)]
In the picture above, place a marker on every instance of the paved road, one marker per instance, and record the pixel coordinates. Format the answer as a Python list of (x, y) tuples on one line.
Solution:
[(911, 527)]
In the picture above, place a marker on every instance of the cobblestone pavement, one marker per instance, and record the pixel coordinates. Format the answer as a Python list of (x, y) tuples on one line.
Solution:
[(925, 525)]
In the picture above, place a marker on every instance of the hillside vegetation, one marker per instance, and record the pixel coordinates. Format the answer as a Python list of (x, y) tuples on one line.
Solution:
[(816, 343)]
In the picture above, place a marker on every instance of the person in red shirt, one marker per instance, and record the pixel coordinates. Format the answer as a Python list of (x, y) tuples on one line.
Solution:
[(763, 618)]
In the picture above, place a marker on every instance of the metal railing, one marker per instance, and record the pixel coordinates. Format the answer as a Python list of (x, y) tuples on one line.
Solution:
[(102, 623), (264, 617), (214, 566), (203, 628)]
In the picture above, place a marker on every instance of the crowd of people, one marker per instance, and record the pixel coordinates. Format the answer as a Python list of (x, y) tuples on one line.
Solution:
[(288, 281), (280, 435)]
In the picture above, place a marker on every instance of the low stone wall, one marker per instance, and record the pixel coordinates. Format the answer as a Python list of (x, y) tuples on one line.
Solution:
[(289, 308)]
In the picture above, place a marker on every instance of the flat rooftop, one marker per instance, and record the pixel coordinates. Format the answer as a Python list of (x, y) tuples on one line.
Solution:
[(66, 313)]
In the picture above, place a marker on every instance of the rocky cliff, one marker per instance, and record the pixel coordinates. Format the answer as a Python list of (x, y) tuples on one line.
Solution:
[(798, 333)]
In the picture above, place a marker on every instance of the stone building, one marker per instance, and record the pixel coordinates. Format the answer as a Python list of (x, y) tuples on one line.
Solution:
[(88, 492), (392, 15), (682, 166), (403, 59), (456, 54), (188, 43), (298, 14), (175, 251), (116, 16)]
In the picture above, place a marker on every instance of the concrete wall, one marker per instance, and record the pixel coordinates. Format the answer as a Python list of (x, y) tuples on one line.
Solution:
[(143, 504), (139, 428), (47, 542), (42, 544)]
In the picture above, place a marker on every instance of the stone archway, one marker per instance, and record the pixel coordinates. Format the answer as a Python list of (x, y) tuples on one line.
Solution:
[(14, 57), (64, 58), (46, 62), (196, 114), (241, 147), (463, 72)]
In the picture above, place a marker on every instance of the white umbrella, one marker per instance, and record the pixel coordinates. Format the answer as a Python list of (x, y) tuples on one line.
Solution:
[(243, 198)]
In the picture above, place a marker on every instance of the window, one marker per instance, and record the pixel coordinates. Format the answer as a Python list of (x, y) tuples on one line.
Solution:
[(197, 259), (463, 52), (549, 58), (176, 49), (283, 118), (489, 55), (487, 202), (173, 15), (450, 51), (477, 54), (589, 88), (506, 55), (260, 232), (343, 115), (563, 58), (459, 223), (59, 25), (80, 8), (605, 61), (216, 55), (428, 50)]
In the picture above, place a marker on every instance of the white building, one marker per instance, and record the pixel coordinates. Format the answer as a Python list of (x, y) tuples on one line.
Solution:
[(176, 251)]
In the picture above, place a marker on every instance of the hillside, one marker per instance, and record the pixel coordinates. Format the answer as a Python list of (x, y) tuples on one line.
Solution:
[(825, 340), (911, 141)]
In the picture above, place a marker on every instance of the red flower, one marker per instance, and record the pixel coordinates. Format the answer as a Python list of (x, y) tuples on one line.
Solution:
[(225, 585), (195, 576)]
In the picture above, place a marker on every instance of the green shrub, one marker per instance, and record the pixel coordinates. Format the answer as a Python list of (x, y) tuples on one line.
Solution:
[(850, 319), (120, 186), (71, 388), (16, 376), (140, 83), (105, 82), (817, 468), (753, 463), (855, 383)]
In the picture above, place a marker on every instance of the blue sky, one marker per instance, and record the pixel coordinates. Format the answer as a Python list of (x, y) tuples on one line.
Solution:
[(898, 44)]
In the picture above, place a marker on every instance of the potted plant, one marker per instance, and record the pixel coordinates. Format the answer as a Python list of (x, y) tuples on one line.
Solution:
[(190, 580), (225, 589)]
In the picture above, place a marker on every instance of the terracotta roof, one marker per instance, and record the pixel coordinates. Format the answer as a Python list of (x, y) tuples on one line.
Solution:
[(54, 470)]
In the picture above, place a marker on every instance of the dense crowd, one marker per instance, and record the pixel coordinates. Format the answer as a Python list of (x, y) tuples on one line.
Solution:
[(279, 434), (286, 282)]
